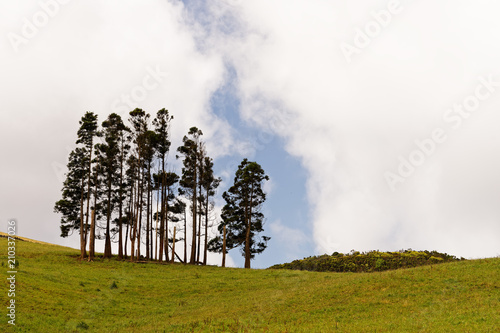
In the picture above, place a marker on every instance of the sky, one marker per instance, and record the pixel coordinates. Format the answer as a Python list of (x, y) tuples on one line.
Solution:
[(377, 121)]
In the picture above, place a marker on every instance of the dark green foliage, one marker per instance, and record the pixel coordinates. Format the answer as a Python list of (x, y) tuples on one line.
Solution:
[(108, 158), (162, 128), (190, 178), (368, 261), (190, 151), (69, 205), (242, 213)]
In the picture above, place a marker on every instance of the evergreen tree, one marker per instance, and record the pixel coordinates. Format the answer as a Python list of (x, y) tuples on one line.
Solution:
[(124, 144), (131, 179), (139, 120), (97, 178), (86, 133), (162, 128), (190, 178), (73, 187), (147, 142), (242, 214), (209, 184), (109, 159)]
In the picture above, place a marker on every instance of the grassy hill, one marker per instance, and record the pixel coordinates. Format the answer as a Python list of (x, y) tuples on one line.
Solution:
[(58, 293)]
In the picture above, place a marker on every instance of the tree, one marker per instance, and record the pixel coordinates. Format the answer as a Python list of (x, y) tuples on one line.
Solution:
[(109, 161), (131, 177), (97, 175), (86, 134), (147, 142), (190, 178), (139, 121), (73, 187), (162, 128), (210, 184), (242, 214), (124, 144), (178, 214)]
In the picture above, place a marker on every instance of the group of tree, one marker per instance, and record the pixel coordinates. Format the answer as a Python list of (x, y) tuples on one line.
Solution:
[(120, 187)]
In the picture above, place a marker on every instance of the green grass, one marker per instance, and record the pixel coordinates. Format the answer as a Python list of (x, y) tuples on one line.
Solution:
[(58, 293)]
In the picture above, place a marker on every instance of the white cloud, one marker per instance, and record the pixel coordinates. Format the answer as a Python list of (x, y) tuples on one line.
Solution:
[(349, 122), (87, 58)]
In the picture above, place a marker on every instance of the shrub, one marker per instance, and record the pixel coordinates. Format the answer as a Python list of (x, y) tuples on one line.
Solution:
[(367, 261)]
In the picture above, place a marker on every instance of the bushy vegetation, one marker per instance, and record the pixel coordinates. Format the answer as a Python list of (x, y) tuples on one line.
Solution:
[(372, 261)]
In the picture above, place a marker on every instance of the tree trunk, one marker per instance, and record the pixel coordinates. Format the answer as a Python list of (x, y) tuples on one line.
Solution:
[(133, 227), (92, 237), (224, 247), (205, 248), (185, 236), (107, 244), (193, 241), (162, 222), (173, 247), (147, 213), (151, 227), (157, 255), (247, 247), (199, 236), (88, 197), (82, 236), (165, 235), (139, 227), (120, 208), (125, 245), (248, 217)]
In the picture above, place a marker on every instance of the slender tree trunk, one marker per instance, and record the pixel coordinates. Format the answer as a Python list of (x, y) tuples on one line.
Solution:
[(199, 234), (194, 208), (185, 236), (132, 222), (151, 227), (205, 248), (88, 197), (165, 236), (107, 244), (162, 222), (157, 255), (92, 236), (147, 215), (173, 247), (135, 219), (92, 225), (120, 207), (125, 243), (130, 218), (139, 227), (247, 246), (248, 218), (224, 247), (82, 231)]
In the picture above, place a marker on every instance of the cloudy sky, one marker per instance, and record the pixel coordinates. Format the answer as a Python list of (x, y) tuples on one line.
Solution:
[(377, 121)]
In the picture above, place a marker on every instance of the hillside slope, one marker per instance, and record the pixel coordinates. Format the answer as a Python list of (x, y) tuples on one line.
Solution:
[(55, 292)]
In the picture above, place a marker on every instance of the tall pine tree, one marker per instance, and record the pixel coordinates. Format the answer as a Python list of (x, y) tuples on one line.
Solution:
[(242, 215), (162, 128), (109, 158), (190, 178), (86, 134)]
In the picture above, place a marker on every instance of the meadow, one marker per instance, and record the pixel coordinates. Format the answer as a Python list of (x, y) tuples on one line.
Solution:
[(56, 292)]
